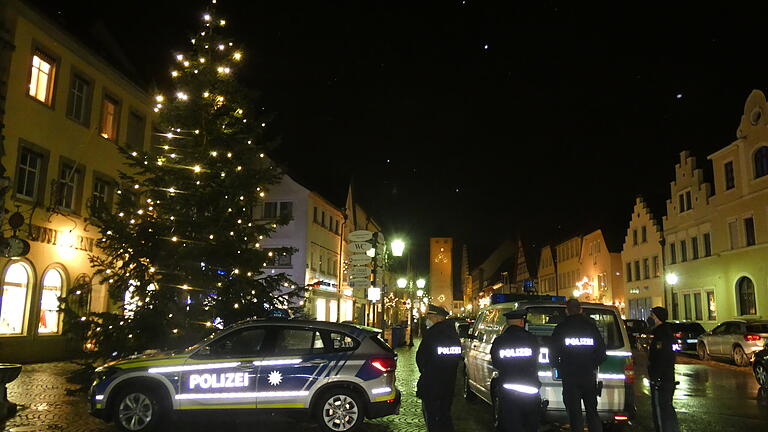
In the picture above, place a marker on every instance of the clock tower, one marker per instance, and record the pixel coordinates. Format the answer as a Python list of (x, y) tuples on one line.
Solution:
[(441, 272)]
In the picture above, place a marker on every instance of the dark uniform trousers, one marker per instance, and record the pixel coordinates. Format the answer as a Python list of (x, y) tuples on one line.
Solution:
[(437, 413), (520, 412), (664, 415), (579, 389)]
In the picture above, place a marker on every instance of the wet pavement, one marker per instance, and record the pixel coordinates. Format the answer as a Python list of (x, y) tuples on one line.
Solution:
[(712, 396)]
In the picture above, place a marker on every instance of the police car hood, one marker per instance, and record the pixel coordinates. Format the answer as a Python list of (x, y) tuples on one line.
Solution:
[(150, 358)]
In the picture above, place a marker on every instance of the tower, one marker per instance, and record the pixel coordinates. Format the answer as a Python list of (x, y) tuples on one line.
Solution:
[(441, 272)]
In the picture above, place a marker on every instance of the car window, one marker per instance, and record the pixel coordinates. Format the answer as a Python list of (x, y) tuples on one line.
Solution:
[(342, 342), (541, 321), (719, 329), (733, 328), (758, 328), (245, 342), (293, 341)]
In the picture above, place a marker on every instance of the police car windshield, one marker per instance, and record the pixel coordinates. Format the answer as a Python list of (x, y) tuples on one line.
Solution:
[(542, 321)]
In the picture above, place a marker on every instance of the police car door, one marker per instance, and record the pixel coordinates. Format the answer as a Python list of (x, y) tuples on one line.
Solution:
[(222, 374), (296, 362)]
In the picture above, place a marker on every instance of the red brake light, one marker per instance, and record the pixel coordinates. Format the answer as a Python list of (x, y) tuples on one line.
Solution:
[(619, 417), (752, 337), (629, 371), (678, 334), (384, 364)]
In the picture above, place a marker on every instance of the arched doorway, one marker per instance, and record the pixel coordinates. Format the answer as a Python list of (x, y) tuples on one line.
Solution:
[(53, 288), (745, 296), (13, 301)]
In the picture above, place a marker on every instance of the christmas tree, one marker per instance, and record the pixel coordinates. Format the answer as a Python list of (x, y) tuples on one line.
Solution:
[(183, 240)]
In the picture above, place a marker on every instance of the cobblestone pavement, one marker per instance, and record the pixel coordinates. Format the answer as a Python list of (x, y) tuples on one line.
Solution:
[(725, 402)]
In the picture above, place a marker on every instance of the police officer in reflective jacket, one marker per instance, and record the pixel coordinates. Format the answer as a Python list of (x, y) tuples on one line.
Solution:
[(438, 358), (661, 370), (576, 351), (515, 354)]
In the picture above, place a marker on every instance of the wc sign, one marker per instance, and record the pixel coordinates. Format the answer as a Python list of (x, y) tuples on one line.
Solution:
[(222, 380)]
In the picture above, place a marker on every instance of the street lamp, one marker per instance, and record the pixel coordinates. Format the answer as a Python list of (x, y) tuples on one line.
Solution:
[(402, 283), (419, 292), (398, 246), (672, 279), (420, 284)]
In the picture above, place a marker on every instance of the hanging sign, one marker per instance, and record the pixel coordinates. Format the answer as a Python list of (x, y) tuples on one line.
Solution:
[(361, 259), (359, 247), (360, 283), (359, 236), (359, 272)]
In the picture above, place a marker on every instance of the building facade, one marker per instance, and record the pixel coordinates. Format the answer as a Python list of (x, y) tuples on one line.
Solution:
[(65, 110), (547, 280), (600, 279), (568, 256), (441, 272), (641, 255), (717, 242)]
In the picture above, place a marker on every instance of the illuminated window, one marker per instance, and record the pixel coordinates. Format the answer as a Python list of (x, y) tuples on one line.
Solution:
[(49, 302), (334, 311), (745, 292), (41, 78), (320, 309), (110, 115), (14, 299)]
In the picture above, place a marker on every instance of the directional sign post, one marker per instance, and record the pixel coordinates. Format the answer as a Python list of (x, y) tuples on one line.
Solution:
[(359, 236)]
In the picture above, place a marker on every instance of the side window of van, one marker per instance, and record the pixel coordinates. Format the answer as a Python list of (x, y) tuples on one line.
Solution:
[(478, 330)]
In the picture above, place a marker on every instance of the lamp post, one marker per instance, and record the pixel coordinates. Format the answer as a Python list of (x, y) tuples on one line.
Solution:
[(671, 279)]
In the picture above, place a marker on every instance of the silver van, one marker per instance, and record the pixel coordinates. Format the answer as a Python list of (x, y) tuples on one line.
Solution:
[(616, 402)]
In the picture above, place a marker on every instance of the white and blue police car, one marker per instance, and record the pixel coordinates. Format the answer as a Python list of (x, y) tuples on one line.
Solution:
[(340, 374)]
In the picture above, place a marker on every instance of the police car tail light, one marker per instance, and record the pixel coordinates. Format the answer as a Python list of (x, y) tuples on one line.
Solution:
[(678, 334), (384, 364), (752, 337), (629, 371), (619, 417)]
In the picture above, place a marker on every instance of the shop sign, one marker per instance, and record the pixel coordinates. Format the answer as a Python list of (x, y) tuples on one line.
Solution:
[(361, 259), (360, 283), (359, 236), (359, 272), (54, 237), (359, 247)]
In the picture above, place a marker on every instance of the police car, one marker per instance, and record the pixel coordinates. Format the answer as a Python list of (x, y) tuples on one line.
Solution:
[(338, 373), (616, 403)]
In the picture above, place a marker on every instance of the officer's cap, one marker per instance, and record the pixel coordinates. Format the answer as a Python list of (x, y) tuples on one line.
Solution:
[(515, 314), (434, 309)]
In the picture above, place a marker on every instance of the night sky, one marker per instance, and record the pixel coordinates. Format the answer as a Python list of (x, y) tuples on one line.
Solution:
[(472, 119)]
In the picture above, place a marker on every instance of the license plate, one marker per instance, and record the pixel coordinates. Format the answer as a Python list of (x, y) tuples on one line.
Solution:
[(692, 340)]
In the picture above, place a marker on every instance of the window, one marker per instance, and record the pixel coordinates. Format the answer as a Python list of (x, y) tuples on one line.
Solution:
[(675, 306), (67, 186), (102, 194), (41, 78), (322, 219), (291, 341), (672, 254), (730, 181), (79, 105), (275, 209), (629, 272), (49, 302), (136, 126), (684, 201), (14, 298), (646, 269), (697, 306), (333, 313), (681, 203), (695, 247), (707, 245), (543, 320), (656, 269), (314, 217), (336, 230), (683, 251), (745, 292), (110, 117), (270, 210), (761, 162), (634, 237), (749, 231), (688, 202), (687, 307), (286, 209), (637, 270), (278, 258), (342, 342), (246, 342), (711, 307), (29, 174), (644, 234), (733, 234)]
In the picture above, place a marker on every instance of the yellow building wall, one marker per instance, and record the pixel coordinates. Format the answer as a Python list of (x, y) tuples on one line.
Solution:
[(60, 241), (441, 272), (642, 291)]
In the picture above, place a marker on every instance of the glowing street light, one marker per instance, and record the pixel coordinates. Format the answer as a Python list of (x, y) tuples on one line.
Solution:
[(402, 282), (421, 283), (672, 278), (420, 292), (398, 246)]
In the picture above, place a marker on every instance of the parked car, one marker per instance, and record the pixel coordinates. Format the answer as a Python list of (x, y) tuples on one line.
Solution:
[(686, 334), (737, 340), (616, 405), (337, 373), (760, 367), (637, 330)]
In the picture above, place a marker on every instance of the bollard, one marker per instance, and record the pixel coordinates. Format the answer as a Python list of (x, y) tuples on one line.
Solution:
[(8, 373)]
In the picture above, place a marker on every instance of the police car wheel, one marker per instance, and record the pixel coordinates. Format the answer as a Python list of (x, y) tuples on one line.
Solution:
[(137, 410), (468, 393), (761, 374), (339, 411)]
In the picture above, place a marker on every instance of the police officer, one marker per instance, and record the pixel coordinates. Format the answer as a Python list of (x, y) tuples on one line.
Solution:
[(661, 370), (576, 352), (438, 357), (515, 354)]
